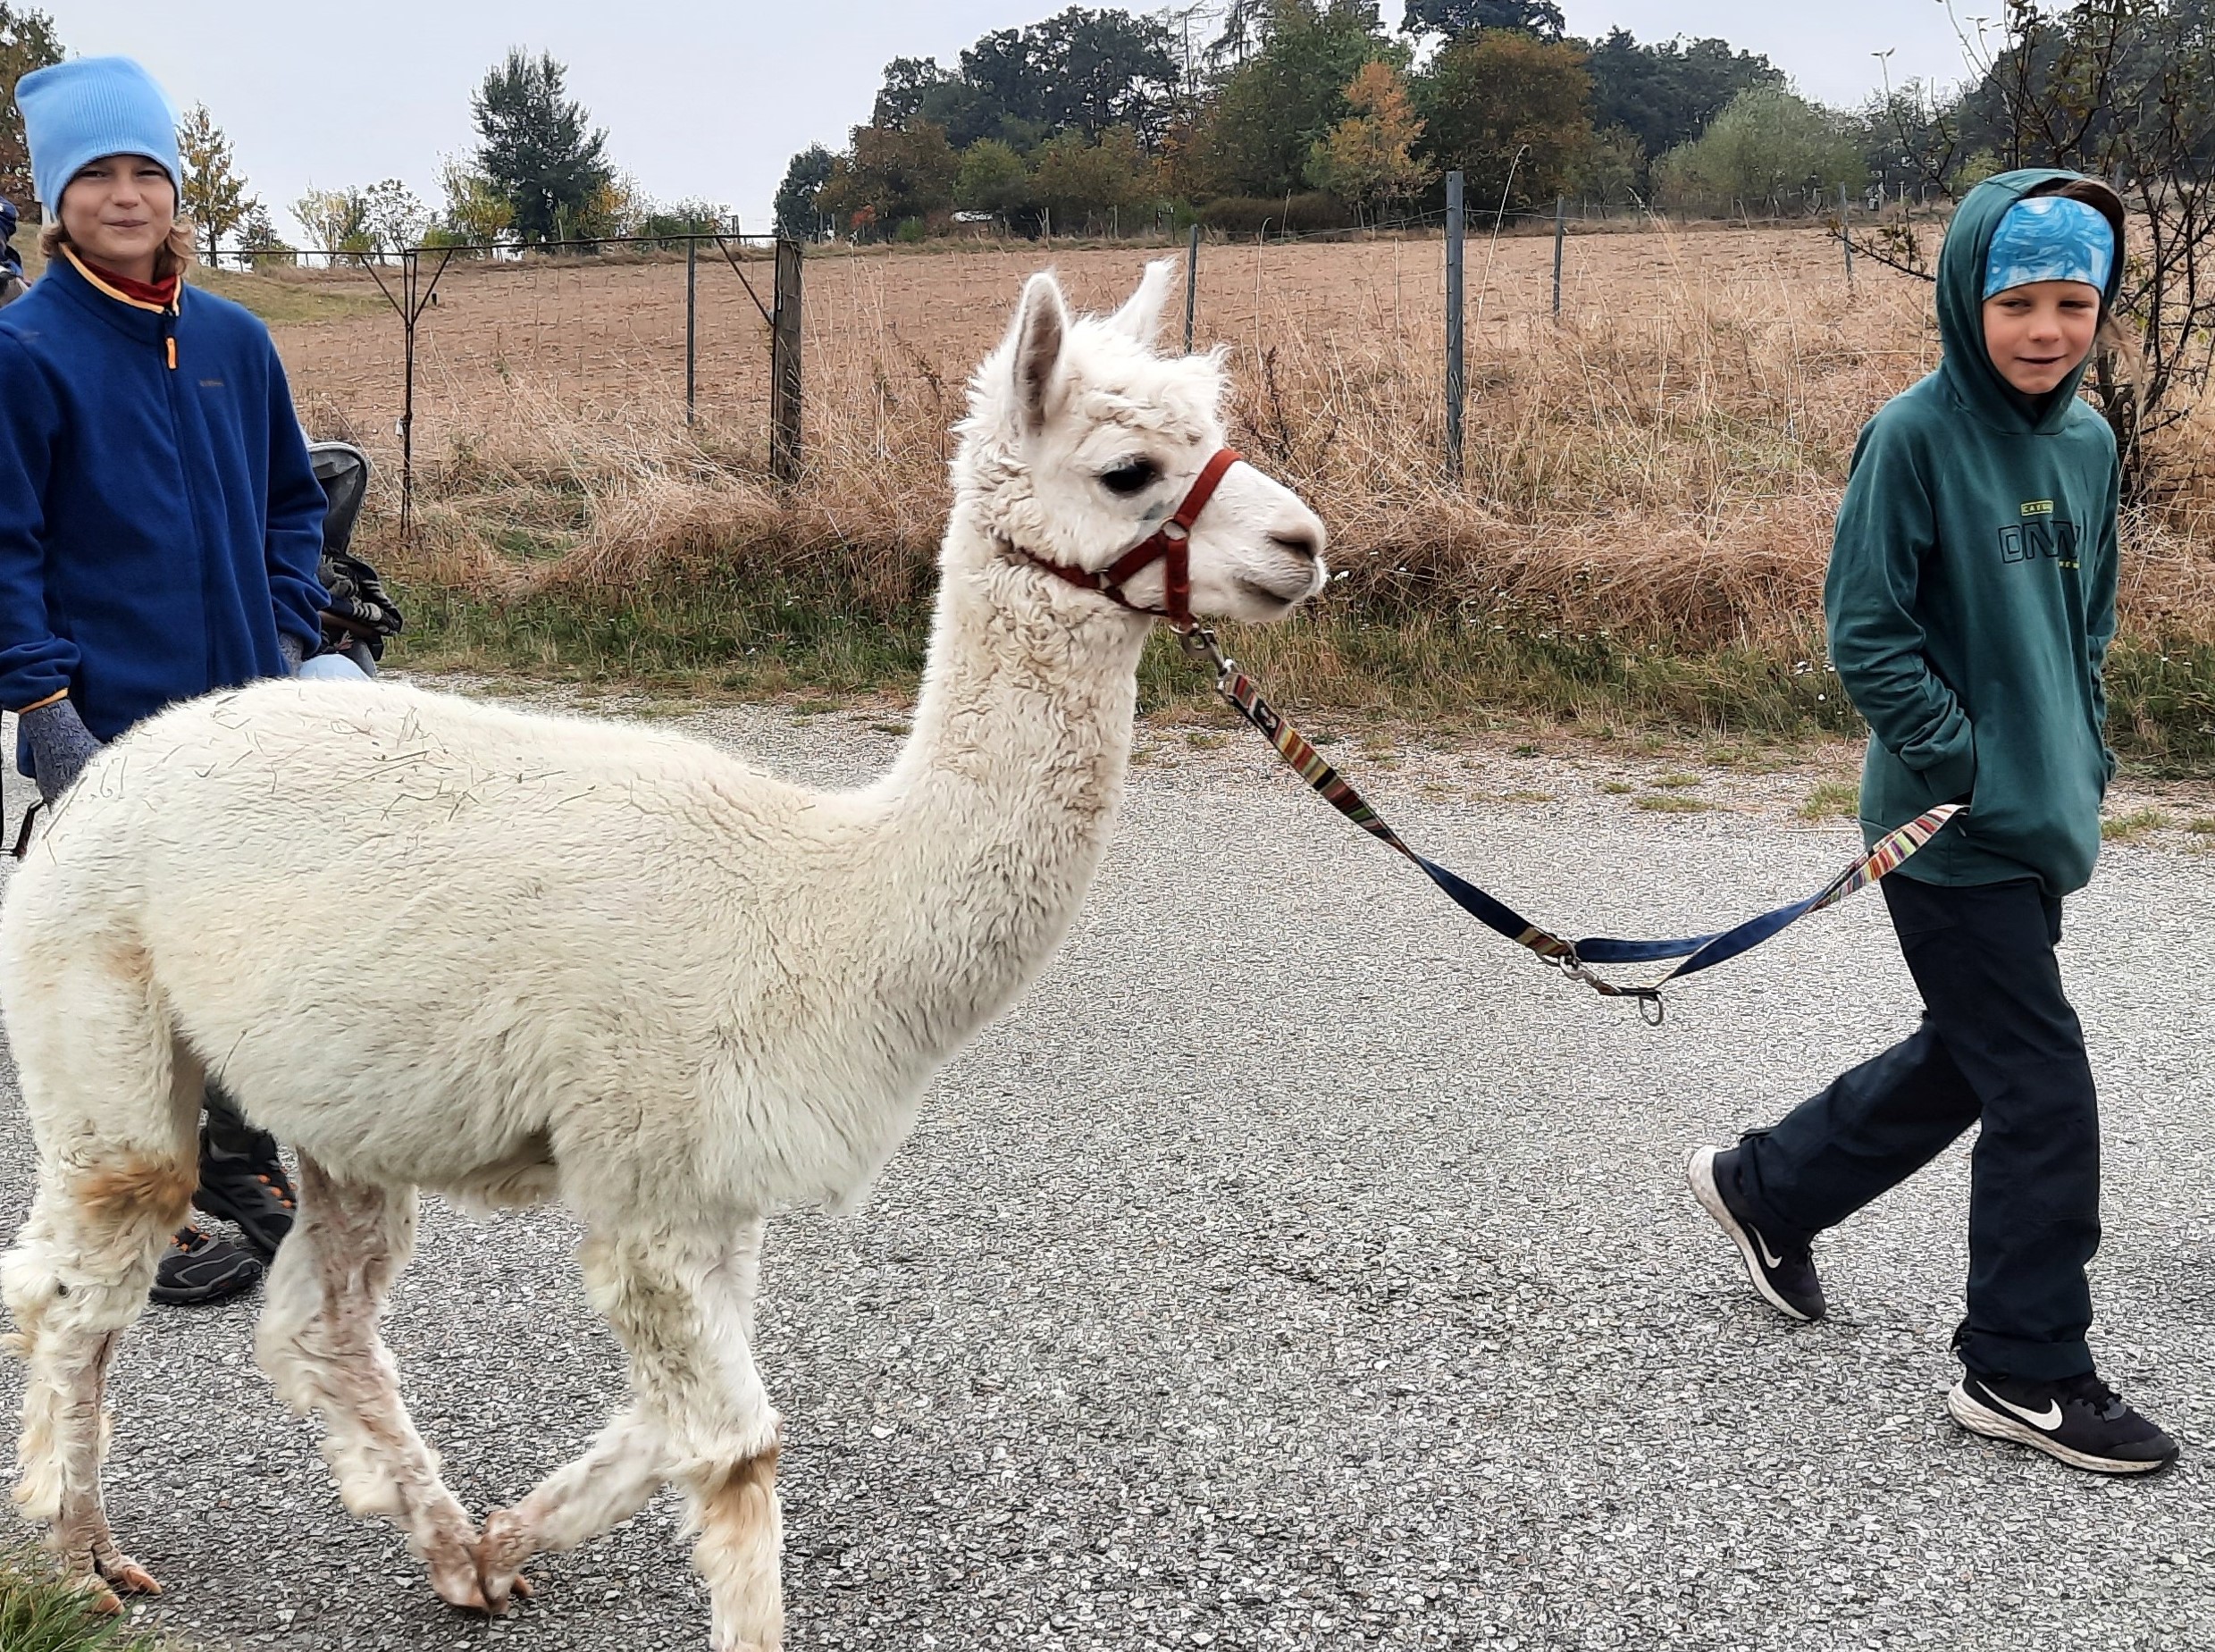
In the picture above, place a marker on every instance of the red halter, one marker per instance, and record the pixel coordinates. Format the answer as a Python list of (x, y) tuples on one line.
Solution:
[(1169, 544)]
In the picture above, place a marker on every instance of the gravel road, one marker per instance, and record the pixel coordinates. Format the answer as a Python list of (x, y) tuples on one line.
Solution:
[(1298, 1266)]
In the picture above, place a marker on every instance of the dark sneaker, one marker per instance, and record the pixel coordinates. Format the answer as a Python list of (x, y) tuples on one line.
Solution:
[(1785, 1279), (199, 1268), (248, 1189), (2083, 1422)]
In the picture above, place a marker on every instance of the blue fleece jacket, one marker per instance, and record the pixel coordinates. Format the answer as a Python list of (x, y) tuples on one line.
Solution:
[(159, 524)]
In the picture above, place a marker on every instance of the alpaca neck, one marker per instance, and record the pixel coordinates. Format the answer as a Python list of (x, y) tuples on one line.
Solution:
[(1001, 806)]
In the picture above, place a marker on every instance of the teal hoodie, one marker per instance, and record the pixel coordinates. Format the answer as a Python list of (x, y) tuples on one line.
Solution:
[(1971, 596)]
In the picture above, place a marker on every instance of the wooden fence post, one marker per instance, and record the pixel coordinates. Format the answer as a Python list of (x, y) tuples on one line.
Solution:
[(1456, 380), (1561, 234), (784, 448), (1192, 283)]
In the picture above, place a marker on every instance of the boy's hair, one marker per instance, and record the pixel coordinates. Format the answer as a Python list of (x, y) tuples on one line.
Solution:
[(181, 249)]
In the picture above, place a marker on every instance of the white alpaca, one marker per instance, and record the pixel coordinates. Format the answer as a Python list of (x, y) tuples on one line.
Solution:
[(620, 968)]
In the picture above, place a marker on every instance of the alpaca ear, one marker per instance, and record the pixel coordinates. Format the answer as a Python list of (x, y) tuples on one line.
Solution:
[(1141, 314), (1041, 329)]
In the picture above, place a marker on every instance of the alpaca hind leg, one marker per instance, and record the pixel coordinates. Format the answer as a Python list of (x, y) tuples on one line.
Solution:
[(112, 1102), (318, 1341), (631, 1459)]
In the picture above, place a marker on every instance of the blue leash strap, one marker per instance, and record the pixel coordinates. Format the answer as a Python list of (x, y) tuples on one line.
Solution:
[(1574, 957)]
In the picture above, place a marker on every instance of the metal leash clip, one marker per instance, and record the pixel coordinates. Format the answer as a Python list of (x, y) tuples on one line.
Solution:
[(1200, 642), (1651, 1009)]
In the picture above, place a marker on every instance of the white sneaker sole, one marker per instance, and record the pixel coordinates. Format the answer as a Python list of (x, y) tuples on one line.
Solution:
[(1979, 1417), (1701, 1172)]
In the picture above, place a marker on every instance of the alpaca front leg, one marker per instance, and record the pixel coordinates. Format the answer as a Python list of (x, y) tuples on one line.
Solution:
[(627, 1463), (318, 1341), (684, 1310)]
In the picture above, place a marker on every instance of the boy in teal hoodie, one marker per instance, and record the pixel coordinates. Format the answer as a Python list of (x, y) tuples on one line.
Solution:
[(1971, 599)]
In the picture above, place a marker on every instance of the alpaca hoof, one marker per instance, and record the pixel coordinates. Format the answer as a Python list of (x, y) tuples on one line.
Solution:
[(507, 1541), (454, 1579), (128, 1577)]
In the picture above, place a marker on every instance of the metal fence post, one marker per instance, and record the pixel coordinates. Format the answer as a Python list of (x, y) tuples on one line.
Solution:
[(784, 365), (1561, 234), (1456, 381), (1845, 234), (1192, 283), (692, 325)]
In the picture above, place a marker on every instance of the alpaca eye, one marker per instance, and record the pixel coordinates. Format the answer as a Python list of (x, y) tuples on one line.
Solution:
[(1134, 476)]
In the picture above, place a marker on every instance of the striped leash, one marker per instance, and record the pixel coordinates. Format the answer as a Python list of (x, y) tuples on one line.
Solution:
[(1572, 958)]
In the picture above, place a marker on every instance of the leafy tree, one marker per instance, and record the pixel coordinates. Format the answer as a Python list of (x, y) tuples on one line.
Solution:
[(1665, 94), (1365, 159), (258, 239), (1771, 150), (1512, 111), (2124, 91), (1093, 184), (337, 220), (476, 214), (27, 41), (799, 215), (1455, 17), (392, 217), (1271, 113), (891, 177), (537, 147), (1081, 70), (214, 195), (992, 179)]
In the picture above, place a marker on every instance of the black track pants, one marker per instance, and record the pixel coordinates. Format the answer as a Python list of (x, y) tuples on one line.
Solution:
[(1998, 1043)]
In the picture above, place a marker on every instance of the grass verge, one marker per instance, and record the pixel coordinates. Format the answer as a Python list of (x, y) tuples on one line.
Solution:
[(39, 1614), (709, 640)]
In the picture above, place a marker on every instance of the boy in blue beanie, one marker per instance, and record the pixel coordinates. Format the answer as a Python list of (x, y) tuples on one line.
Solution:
[(159, 523), (1971, 600)]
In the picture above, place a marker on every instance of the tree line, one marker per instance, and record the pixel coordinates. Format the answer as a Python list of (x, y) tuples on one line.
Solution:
[(1300, 114)]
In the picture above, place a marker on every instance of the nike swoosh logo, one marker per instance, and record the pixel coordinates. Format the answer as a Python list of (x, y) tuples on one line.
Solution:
[(1769, 1259), (2047, 1419)]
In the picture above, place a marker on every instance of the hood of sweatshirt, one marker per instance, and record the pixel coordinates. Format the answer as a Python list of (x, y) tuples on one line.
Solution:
[(1968, 367)]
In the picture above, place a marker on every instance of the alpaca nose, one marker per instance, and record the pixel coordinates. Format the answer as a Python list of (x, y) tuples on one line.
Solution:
[(1301, 542)]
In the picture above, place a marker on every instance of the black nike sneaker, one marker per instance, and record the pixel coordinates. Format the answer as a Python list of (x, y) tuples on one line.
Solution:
[(1785, 1279), (243, 1181), (2082, 1422), (198, 1269)]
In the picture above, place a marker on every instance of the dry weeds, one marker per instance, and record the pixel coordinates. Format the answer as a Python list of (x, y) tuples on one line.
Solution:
[(1661, 465)]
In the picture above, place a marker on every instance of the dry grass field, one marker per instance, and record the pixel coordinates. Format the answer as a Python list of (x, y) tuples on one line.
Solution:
[(1654, 472)]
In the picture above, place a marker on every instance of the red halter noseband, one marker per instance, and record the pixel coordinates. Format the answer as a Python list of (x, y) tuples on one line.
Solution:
[(1169, 544)]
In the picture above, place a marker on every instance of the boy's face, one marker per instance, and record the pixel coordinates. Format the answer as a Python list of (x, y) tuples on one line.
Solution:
[(118, 211), (2036, 335)]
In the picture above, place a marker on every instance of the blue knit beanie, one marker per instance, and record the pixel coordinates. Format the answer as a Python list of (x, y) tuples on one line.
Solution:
[(83, 111)]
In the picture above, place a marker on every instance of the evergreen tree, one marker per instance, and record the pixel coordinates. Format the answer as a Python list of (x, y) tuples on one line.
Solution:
[(537, 147)]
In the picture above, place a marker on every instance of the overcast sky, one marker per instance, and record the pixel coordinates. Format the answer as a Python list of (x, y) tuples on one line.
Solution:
[(709, 98)]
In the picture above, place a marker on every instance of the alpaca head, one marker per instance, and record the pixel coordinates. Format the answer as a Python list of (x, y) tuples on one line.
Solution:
[(1082, 440)]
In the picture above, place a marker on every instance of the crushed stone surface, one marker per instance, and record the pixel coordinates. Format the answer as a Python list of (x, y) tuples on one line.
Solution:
[(1299, 1266)]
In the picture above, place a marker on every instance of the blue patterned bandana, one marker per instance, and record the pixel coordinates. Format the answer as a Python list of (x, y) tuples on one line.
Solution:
[(2049, 238)]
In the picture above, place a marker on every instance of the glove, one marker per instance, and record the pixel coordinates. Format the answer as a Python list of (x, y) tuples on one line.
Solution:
[(60, 746), (293, 649)]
